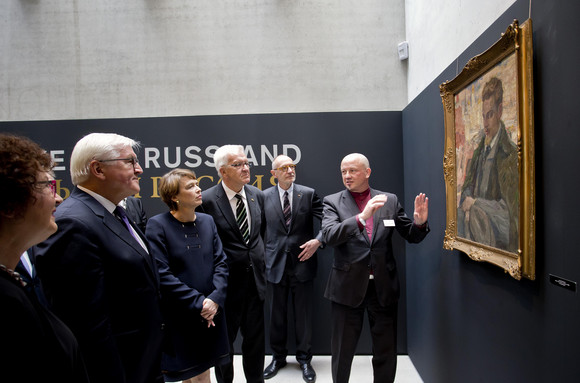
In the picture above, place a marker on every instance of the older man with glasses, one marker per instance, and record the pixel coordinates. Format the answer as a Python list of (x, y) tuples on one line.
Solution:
[(96, 270), (291, 264), (238, 211)]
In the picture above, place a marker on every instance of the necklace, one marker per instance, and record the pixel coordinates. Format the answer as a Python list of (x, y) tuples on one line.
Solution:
[(13, 274)]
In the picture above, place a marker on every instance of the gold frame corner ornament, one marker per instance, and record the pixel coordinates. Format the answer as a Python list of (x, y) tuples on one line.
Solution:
[(517, 39)]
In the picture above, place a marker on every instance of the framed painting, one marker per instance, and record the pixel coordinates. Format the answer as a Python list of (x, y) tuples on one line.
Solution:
[(488, 161)]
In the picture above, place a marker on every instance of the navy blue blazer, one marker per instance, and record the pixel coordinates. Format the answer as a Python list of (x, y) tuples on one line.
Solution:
[(355, 254), (239, 254), (282, 243), (105, 287), (192, 267)]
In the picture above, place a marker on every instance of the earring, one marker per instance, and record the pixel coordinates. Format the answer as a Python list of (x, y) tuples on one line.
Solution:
[(177, 201)]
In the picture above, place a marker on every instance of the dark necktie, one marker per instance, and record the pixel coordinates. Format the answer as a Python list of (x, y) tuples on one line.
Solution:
[(242, 218), (121, 213), (287, 211)]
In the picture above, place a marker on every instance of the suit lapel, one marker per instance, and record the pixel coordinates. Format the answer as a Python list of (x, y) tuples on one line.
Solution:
[(223, 204), (296, 201), (376, 219), (352, 208), (114, 225), (254, 212)]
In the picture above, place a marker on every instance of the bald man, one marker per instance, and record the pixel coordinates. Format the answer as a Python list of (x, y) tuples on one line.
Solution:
[(358, 223)]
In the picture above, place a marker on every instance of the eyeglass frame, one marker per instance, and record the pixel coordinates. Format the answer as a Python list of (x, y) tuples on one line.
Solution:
[(240, 165), (132, 160), (51, 183), (286, 167)]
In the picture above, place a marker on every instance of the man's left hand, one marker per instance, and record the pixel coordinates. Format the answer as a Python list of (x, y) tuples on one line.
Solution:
[(308, 249), (421, 209)]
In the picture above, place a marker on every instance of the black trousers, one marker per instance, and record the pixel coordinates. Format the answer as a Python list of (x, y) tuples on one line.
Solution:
[(301, 294), (347, 323), (244, 311)]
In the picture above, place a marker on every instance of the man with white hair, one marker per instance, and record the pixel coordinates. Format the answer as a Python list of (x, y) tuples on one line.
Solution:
[(359, 223), (238, 211), (96, 270)]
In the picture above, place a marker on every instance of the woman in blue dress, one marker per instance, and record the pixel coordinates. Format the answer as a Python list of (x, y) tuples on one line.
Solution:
[(193, 270)]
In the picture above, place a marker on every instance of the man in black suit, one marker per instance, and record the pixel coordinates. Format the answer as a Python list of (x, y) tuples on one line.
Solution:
[(238, 211), (359, 223), (135, 212), (96, 270), (291, 263)]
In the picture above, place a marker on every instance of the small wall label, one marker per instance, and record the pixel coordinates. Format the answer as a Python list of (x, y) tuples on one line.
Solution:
[(564, 283)]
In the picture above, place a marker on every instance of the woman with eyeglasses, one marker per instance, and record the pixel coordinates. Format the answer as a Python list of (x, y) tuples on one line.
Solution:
[(193, 271), (36, 345)]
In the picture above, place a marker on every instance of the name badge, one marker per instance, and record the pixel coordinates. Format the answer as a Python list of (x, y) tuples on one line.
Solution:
[(389, 222)]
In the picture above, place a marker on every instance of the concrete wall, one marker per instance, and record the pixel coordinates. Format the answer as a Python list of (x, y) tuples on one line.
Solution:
[(438, 31), (137, 58)]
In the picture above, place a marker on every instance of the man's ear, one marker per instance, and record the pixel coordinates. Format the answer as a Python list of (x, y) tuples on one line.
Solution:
[(96, 169)]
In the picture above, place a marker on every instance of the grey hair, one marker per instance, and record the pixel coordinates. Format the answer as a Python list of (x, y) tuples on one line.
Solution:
[(221, 155), (96, 146)]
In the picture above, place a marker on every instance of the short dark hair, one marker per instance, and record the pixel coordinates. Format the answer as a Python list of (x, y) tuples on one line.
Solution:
[(493, 88), (20, 162), (169, 186)]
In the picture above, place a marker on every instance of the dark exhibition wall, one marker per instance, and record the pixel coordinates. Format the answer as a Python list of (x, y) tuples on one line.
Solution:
[(460, 320), (317, 141), (469, 321)]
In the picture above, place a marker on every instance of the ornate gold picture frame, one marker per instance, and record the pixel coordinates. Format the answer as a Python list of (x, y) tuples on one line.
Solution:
[(488, 161)]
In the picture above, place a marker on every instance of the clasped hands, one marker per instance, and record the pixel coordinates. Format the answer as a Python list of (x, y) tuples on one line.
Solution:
[(208, 311)]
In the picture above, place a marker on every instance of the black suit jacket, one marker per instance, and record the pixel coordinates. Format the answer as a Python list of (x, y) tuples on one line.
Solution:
[(136, 213), (36, 345), (282, 243), (105, 287), (354, 253), (239, 254), (33, 283)]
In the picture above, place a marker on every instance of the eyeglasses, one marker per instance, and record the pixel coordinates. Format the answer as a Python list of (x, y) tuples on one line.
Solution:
[(49, 183), (286, 167), (240, 165), (131, 160)]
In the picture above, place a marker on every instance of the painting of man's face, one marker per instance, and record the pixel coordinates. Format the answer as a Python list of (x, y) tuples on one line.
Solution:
[(491, 114)]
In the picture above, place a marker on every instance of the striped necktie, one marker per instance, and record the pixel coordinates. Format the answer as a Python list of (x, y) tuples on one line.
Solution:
[(242, 218), (287, 211)]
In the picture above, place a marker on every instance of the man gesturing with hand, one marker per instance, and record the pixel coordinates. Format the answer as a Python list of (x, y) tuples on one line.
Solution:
[(359, 223)]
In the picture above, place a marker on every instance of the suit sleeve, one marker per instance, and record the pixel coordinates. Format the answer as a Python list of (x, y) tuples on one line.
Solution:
[(72, 269), (317, 213), (220, 274), (406, 228), (334, 230)]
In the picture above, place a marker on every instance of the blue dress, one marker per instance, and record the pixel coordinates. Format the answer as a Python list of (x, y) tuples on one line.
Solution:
[(192, 267)]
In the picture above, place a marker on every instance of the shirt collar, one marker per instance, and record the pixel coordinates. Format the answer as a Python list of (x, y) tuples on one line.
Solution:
[(232, 194), (281, 191), (102, 200), (360, 196)]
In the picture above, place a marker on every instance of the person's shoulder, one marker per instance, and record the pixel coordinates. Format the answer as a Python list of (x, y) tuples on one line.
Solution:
[(303, 188), (253, 190), (160, 218), (272, 191), (334, 196), (203, 218)]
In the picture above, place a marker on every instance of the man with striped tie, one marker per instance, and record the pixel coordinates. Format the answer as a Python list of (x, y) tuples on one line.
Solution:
[(291, 264), (238, 211)]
